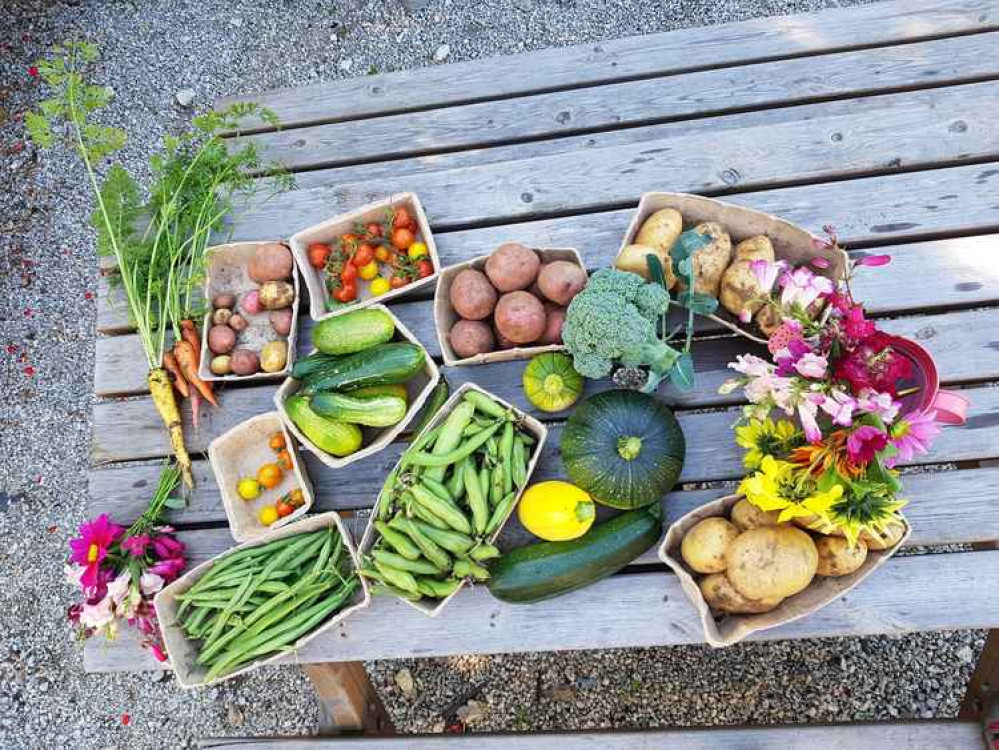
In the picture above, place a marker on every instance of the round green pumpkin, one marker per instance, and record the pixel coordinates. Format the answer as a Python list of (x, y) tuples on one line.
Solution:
[(624, 448)]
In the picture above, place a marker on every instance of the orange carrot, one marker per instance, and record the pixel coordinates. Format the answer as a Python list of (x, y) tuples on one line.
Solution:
[(195, 408), (179, 382), (189, 332), (187, 358)]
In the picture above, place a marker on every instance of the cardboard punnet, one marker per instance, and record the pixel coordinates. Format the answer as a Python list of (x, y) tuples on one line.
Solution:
[(445, 317), (528, 423), (725, 630), (183, 652), (375, 438), (791, 243), (328, 231), (227, 273), (239, 453)]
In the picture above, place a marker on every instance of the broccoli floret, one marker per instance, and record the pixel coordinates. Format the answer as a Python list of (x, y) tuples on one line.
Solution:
[(622, 283), (652, 301)]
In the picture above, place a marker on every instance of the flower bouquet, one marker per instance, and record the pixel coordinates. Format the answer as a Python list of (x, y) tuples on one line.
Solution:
[(119, 570)]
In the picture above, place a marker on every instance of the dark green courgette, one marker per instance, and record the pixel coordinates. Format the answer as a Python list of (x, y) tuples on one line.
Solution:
[(396, 362), (542, 571)]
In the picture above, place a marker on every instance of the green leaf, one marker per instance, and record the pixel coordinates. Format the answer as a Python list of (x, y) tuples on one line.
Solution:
[(176, 503), (700, 303), (876, 472), (39, 129), (686, 245), (682, 374), (829, 479)]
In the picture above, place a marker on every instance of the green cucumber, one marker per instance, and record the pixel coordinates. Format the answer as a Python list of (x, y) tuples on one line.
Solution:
[(385, 364), (306, 366), (353, 332), (379, 411), (330, 436), (542, 571)]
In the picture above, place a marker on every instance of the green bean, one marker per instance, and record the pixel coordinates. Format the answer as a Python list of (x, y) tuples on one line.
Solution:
[(399, 542), (438, 589), (484, 551), (506, 456), (496, 485), (385, 589), (437, 488), (477, 503), (518, 464), (229, 609), (430, 550), (452, 541), (439, 461), (193, 623), (456, 482), (402, 579), (500, 512), (423, 566), (445, 510), (486, 405)]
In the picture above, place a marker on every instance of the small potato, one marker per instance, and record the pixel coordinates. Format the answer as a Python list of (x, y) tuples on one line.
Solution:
[(471, 337), (703, 547), (274, 356), (250, 302), (771, 562), (281, 321), (660, 230), (739, 288), (747, 516), (634, 258), (554, 320), (711, 260), (222, 365), (224, 300), (221, 339), (520, 317), (222, 316), (277, 295), (892, 536), (561, 280), (270, 262), (512, 266), (238, 323), (472, 296), (755, 248), (244, 362), (721, 596), (502, 342), (837, 558)]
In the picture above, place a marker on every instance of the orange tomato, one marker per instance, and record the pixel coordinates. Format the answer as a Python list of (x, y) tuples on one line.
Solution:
[(397, 282), (270, 475), (383, 254), (402, 238), (284, 460), (277, 442), (364, 254)]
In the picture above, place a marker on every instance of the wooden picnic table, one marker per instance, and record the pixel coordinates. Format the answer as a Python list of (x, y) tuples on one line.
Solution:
[(880, 119)]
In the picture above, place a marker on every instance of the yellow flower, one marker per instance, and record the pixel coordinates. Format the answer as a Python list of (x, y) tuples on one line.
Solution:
[(785, 487), (764, 437)]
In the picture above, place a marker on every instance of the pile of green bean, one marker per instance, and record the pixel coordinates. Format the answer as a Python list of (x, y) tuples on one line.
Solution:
[(259, 600), (449, 494)]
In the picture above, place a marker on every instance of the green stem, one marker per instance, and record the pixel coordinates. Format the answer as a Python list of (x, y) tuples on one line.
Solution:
[(629, 447)]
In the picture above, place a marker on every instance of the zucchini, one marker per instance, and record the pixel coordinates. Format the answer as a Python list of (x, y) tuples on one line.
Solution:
[(549, 569), (353, 332), (378, 411), (391, 363), (335, 438)]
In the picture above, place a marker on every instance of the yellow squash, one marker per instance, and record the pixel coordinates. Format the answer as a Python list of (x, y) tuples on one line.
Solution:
[(556, 511)]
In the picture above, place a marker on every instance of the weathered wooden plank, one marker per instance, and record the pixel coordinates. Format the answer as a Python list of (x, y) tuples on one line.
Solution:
[(908, 594), (703, 93), (921, 735), (921, 128), (621, 59)]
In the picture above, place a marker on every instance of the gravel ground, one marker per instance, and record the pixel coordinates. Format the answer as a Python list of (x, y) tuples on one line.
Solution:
[(47, 299)]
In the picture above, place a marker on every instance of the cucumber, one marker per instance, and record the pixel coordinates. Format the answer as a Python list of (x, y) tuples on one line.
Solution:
[(378, 411), (307, 366), (390, 389), (542, 571), (335, 438), (385, 364), (353, 331)]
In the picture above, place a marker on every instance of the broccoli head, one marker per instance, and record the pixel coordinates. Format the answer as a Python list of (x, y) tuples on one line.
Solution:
[(614, 320)]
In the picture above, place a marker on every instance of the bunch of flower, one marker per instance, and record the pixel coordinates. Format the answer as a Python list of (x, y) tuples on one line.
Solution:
[(119, 571), (824, 428)]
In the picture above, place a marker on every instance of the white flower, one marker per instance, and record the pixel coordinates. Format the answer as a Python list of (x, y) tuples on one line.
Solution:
[(751, 365), (150, 583), (811, 365), (882, 404), (118, 589), (74, 573), (97, 615)]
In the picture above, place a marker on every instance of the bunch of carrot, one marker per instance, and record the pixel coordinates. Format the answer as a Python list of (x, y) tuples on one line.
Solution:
[(183, 363)]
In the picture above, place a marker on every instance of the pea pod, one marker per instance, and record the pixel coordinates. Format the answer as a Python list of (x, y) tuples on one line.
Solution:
[(425, 567), (456, 483), (500, 512), (506, 456), (518, 464), (452, 541), (477, 503), (484, 476), (399, 542), (486, 405), (438, 589), (448, 512), (468, 569), (437, 461), (429, 548), (484, 551), (386, 589), (436, 487), (496, 485), (426, 516), (399, 578), (386, 499), (447, 441)]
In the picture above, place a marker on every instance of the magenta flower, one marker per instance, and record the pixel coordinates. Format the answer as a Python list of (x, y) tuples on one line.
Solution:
[(157, 652), (136, 545), (839, 406), (872, 261), (169, 568), (912, 435), (91, 547), (820, 262), (795, 350), (166, 546), (858, 327), (864, 443)]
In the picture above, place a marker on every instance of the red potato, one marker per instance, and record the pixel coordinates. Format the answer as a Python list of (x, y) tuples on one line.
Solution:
[(250, 302), (502, 342), (471, 337), (472, 296), (512, 266), (554, 320), (221, 339), (270, 262), (244, 362), (520, 317), (281, 321), (224, 300), (238, 323), (561, 280)]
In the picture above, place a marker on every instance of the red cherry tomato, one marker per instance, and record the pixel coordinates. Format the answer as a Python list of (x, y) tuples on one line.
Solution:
[(349, 273), (397, 282), (424, 268), (319, 254), (363, 255), (402, 238), (346, 293), (374, 229), (403, 219), (284, 509)]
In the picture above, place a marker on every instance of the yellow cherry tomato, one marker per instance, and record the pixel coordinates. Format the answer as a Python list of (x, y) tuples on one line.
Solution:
[(268, 515), (379, 286), (417, 250), (248, 488), (556, 511), (368, 271)]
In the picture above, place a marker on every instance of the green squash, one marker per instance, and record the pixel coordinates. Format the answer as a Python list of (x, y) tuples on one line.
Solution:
[(550, 383), (624, 448)]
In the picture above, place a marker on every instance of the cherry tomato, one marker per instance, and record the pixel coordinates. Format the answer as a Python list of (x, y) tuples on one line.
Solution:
[(349, 273), (397, 282), (295, 498), (424, 268), (277, 442), (284, 509), (363, 255), (374, 229), (402, 238), (270, 475), (417, 250), (348, 239), (267, 515), (319, 254), (284, 460), (379, 286), (346, 293), (369, 271), (383, 254), (248, 488), (403, 219)]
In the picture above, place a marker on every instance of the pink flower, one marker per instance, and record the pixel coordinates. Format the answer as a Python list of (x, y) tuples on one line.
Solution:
[(864, 442), (882, 404), (803, 286), (811, 365), (136, 545), (750, 365), (807, 411), (857, 327), (165, 546), (789, 356), (820, 262), (98, 615), (912, 435), (169, 568), (91, 547), (873, 261), (839, 406), (766, 273), (157, 652)]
